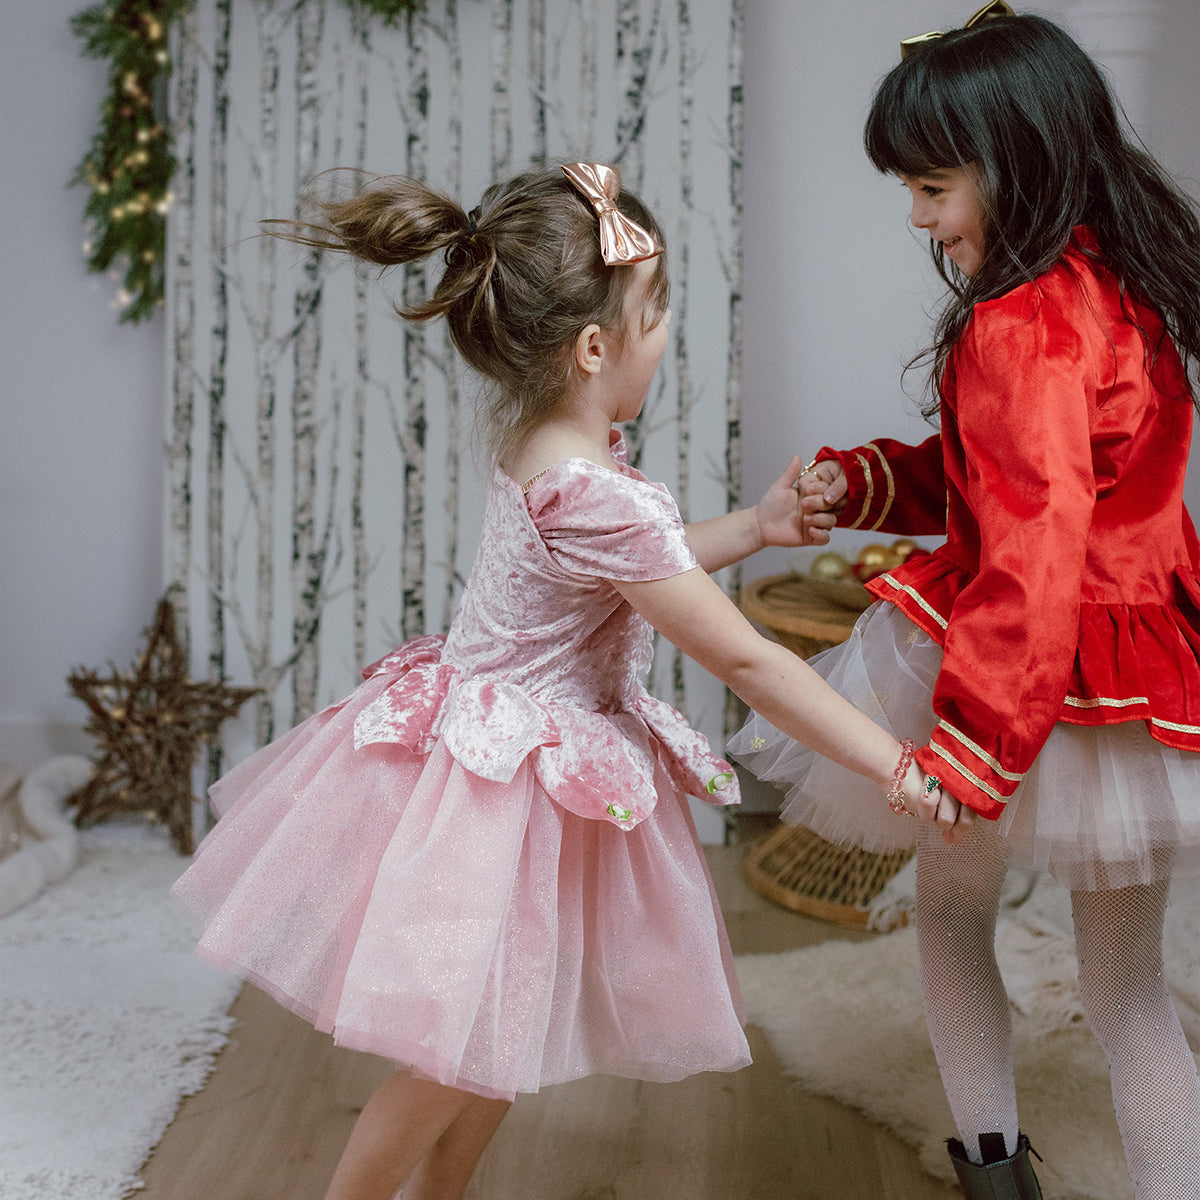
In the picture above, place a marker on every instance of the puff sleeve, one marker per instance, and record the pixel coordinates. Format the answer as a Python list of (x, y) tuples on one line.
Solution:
[(597, 522)]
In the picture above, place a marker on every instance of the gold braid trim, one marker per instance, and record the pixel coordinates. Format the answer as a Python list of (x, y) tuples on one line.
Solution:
[(979, 751), (866, 508), (941, 752), (891, 485)]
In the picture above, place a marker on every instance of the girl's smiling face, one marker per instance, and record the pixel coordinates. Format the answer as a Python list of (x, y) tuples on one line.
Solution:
[(946, 203)]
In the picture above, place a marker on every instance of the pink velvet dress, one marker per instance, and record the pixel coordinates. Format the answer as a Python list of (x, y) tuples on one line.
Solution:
[(481, 864)]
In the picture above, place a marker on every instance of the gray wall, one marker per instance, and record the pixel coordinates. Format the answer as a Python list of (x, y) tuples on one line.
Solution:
[(80, 406)]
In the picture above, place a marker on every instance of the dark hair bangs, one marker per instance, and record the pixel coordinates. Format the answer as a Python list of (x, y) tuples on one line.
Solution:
[(908, 130)]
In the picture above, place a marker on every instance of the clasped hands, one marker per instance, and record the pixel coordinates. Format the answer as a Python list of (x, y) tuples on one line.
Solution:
[(802, 505), (822, 492), (927, 800), (821, 488)]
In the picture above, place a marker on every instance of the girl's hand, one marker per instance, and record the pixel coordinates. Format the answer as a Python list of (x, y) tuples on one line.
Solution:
[(954, 818), (936, 805), (780, 519), (822, 491)]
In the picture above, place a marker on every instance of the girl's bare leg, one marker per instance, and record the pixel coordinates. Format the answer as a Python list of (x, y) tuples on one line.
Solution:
[(443, 1174), (398, 1127)]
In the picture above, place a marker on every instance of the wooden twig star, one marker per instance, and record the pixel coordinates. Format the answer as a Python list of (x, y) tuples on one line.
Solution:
[(150, 724)]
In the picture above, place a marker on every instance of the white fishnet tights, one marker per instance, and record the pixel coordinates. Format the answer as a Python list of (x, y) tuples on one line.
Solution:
[(1118, 937)]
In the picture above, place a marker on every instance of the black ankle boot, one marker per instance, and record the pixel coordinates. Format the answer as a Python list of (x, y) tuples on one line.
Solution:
[(1008, 1179)]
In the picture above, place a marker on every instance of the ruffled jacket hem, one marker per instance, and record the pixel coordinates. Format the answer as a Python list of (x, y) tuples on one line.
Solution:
[(598, 765), (1133, 662)]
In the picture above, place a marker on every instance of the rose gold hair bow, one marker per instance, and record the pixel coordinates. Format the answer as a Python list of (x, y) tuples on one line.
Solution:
[(621, 240), (994, 8)]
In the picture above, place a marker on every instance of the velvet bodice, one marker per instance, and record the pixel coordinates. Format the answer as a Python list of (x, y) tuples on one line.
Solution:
[(545, 658)]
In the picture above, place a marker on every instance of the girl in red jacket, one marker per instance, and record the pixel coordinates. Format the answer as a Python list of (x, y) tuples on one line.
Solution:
[(1046, 658)]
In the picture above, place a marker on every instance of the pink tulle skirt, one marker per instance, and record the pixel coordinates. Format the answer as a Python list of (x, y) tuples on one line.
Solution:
[(1102, 806), (472, 931)]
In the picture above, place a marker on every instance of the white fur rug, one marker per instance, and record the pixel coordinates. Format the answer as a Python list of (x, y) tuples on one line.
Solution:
[(107, 1020), (845, 1019)]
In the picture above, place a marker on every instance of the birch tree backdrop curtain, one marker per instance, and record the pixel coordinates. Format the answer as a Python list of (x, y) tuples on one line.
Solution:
[(325, 489)]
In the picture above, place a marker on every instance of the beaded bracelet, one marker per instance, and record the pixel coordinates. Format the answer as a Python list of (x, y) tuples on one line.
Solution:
[(895, 795)]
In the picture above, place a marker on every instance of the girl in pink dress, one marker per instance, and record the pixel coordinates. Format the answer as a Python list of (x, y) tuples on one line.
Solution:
[(481, 864)]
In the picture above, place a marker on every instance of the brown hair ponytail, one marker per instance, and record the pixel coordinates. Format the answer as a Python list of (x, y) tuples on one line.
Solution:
[(391, 220), (523, 276)]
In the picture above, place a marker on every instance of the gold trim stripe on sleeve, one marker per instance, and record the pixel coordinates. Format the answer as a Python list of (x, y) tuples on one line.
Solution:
[(980, 752), (941, 752), (891, 486), (870, 481)]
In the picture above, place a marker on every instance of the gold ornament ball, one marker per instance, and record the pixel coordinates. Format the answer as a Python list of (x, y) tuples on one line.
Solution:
[(874, 557), (829, 565), (902, 548)]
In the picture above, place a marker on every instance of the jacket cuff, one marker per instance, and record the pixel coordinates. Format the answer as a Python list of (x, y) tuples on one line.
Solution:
[(871, 485), (971, 775)]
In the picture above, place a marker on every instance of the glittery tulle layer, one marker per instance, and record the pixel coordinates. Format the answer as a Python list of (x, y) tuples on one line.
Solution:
[(473, 930), (1102, 807)]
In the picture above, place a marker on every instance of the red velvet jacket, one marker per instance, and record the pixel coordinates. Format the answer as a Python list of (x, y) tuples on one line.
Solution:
[(1067, 587)]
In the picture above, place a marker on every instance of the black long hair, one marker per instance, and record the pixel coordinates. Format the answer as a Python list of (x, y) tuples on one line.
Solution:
[(1019, 100)]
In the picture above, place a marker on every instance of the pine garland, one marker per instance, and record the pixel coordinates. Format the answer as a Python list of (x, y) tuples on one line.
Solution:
[(129, 165)]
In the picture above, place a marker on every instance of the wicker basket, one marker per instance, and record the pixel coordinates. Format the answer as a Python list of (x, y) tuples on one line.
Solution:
[(796, 869), (792, 866), (796, 613)]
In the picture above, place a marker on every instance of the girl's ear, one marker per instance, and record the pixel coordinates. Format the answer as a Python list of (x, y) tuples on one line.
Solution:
[(590, 350)]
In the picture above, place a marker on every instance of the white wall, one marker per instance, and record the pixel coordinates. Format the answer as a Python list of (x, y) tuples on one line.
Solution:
[(80, 403), (835, 290)]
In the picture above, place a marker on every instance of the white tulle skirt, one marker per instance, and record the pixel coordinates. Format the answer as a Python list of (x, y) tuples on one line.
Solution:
[(1102, 806)]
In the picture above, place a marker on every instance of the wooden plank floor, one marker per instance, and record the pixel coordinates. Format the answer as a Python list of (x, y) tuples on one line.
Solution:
[(278, 1108)]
